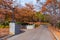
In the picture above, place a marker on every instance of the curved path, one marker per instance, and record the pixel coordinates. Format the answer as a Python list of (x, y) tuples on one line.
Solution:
[(41, 33)]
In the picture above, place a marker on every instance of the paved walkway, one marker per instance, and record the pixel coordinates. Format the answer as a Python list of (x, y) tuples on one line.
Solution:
[(41, 33)]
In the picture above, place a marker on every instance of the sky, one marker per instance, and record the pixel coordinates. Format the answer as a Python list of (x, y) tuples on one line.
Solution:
[(34, 2), (22, 2), (28, 1)]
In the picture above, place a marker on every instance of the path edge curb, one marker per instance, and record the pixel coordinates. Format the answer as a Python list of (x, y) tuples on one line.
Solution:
[(54, 35)]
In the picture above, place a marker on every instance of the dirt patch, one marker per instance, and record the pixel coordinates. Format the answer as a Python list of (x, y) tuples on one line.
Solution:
[(4, 32)]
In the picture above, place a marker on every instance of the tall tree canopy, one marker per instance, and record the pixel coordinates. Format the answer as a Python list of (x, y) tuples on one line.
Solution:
[(52, 7), (6, 8)]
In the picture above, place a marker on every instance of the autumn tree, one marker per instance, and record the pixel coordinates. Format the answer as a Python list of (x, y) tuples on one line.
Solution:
[(52, 8), (24, 15), (6, 8)]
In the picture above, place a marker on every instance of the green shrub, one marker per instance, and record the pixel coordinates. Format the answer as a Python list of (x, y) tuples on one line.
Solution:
[(18, 22), (2, 26), (58, 25), (22, 23), (6, 23), (36, 25)]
